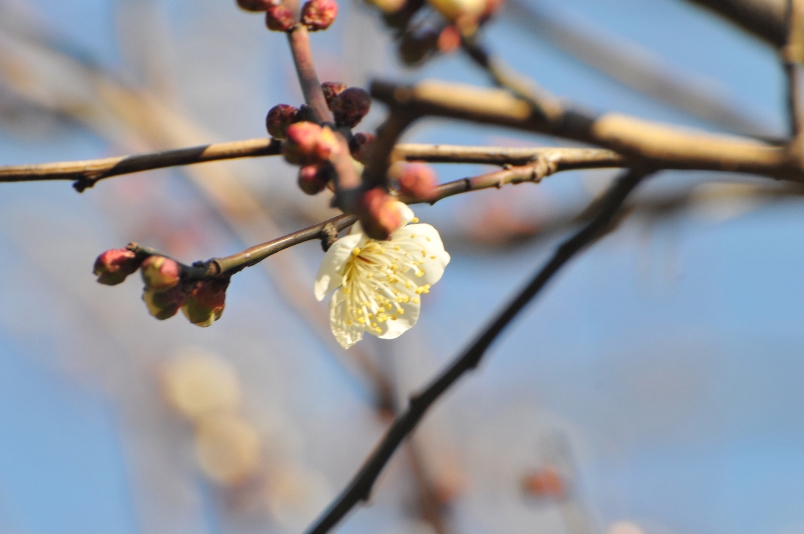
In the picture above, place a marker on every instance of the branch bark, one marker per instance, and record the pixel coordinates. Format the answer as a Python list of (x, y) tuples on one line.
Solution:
[(763, 18), (362, 483)]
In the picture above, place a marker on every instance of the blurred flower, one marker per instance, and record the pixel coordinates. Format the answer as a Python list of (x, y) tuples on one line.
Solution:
[(377, 283), (196, 383), (416, 180), (228, 448), (544, 483)]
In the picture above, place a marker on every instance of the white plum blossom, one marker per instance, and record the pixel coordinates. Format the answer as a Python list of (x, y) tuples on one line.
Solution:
[(378, 284)]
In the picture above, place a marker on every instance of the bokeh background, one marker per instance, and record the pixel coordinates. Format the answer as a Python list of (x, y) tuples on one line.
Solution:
[(656, 386)]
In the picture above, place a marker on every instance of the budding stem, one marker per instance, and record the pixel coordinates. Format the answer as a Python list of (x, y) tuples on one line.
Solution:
[(299, 40)]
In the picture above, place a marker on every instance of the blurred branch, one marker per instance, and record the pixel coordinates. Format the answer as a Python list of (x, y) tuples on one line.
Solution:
[(359, 489), (654, 144), (792, 55), (763, 18), (88, 172), (632, 65)]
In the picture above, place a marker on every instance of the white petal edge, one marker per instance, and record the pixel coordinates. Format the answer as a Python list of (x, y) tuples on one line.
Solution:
[(436, 259), (346, 335), (330, 274), (404, 322)]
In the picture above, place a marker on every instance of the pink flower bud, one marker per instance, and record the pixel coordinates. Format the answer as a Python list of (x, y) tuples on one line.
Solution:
[(278, 18), (254, 5), (313, 179), (163, 304), (204, 305), (300, 146), (378, 213), (160, 273), (449, 39), (326, 145), (319, 14), (418, 181), (331, 90), (279, 118), (351, 106), (360, 146), (113, 266)]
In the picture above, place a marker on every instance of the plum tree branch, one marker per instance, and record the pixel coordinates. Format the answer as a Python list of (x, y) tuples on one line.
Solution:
[(359, 488), (652, 144)]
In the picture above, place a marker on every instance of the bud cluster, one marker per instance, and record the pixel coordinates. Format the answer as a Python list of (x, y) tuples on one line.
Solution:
[(165, 292), (319, 14)]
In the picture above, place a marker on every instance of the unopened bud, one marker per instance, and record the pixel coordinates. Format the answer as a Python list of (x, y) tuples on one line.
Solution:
[(379, 213), (160, 273), (360, 146), (453, 10), (299, 147), (417, 180), (254, 5), (319, 14), (313, 179), (165, 303), (545, 483), (204, 305), (113, 266), (351, 106), (279, 118), (449, 39), (278, 18), (331, 90)]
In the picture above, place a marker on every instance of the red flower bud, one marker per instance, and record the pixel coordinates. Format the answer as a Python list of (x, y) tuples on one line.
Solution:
[(319, 14), (326, 145), (254, 5), (279, 118), (113, 266), (449, 39), (360, 146), (544, 483), (163, 304), (299, 148), (204, 305), (351, 106), (417, 180), (160, 273), (378, 213), (331, 90), (313, 179), (278, 18)]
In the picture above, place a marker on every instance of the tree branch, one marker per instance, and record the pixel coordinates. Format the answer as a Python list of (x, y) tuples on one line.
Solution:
[(361, 484), (763, 18), (89, 172), (653, 144)]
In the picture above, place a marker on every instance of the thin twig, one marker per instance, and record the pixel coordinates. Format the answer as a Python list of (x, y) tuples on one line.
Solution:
[(299, 41), (361, 484), (532, 172), (89, 172)]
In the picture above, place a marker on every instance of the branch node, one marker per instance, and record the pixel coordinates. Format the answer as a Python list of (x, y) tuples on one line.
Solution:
[(329, 234)]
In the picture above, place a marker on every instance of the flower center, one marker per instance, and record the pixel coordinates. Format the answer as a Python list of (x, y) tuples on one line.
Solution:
[(379, 277)]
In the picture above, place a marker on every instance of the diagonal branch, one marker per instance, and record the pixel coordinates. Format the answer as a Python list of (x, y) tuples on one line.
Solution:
[(361, 484)]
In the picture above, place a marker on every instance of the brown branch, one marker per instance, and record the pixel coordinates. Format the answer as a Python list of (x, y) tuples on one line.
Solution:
[(546, 163), (362, 483), (299, 40), (632, 65), (654, 144), (792, 55), (564, 158), (89, 172), (763, 18)]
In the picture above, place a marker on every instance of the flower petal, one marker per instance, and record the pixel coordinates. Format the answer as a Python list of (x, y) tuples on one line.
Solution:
[(330, 274), (392, 329), (346, 334), (435, 258), (405, 213)]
